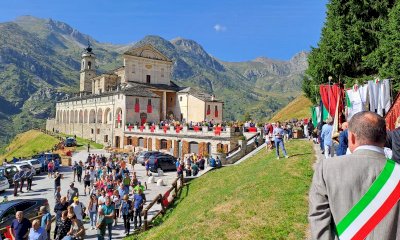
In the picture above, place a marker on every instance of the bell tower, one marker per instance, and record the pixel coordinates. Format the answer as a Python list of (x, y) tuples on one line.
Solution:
[(88, 70)]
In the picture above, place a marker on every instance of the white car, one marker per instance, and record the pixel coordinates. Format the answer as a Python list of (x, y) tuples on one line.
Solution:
[(4, 184), (23, 165), (35, 164)]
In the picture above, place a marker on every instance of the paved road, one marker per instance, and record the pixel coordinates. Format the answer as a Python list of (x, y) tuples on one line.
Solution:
[(43, 187)]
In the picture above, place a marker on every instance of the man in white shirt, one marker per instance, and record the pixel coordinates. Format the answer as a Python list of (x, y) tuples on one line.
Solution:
[(78, 208)]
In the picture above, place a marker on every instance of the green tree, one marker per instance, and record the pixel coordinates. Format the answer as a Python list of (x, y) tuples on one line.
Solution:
[(351, 32), (387, 56)]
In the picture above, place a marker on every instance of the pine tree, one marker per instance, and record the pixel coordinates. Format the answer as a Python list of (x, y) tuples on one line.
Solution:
[(351, 33)]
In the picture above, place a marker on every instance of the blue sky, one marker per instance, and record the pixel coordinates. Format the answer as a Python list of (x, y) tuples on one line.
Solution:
[(235, 30)]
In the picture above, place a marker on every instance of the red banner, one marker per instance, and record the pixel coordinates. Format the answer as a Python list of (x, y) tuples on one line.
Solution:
[(152, 128), (137, 107), (252, 129), (217, 131), (178, 129), (130, 128), (149, 108), (216, 113), (393, 114), (165, 129), (330, 95), (119, 118), (196, 128)]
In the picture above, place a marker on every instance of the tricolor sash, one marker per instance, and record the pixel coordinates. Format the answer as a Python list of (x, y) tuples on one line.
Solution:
[(380, 198)]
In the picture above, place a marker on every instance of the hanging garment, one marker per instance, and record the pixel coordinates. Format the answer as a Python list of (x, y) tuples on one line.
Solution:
[(384, 97), (363, 90), (373, 90), (356, 104)]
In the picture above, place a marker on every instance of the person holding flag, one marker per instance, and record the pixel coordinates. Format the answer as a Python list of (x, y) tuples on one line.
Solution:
[(356, 196)]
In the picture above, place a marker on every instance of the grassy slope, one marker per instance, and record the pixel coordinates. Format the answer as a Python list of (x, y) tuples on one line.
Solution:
[(28, 143), (299, 108), (82, 143), (261, 198)]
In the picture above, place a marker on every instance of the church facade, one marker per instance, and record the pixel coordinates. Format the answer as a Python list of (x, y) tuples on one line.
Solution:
[(118, 108)]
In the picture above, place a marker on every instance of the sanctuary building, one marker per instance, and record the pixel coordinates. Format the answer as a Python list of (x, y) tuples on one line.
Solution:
[(123, 108)]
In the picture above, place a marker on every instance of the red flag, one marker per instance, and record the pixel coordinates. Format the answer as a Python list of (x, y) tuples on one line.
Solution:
[(196, 128), (130, 127), (178, 129), (152, 128), (165, 129), (137, 107), (216, 113), (217, 131), (119, 118), (149, 108)]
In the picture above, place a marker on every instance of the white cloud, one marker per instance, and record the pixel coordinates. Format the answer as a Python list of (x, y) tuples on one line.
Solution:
[(220, 28)]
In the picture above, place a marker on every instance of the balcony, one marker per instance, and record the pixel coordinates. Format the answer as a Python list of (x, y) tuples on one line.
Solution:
[(197, 131)]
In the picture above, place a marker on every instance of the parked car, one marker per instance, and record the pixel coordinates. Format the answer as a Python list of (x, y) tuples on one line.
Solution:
[(46, 156), (141, 158), (4, 184), (165, 162), (70, 142), (8, 171), (30, 207), (35, 164), (23, 165)]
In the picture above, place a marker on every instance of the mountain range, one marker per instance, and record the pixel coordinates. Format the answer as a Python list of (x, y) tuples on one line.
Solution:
[(40, 61)]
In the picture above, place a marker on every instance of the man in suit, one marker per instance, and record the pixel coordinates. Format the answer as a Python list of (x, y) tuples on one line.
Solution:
[(340, 182), (343, 142)]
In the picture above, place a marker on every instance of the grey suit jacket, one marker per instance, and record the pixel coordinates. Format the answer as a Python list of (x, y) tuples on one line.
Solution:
[(338, 184)]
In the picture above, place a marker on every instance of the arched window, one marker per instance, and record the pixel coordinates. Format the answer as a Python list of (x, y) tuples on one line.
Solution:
[(163, 144), (141, 142), (89, 65), (193, 147)]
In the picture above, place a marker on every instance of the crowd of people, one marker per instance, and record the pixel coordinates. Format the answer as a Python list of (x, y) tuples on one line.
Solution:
[(191, 165), (116, 197)]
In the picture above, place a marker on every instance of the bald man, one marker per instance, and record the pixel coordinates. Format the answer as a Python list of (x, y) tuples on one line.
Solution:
[(343, 140), (339, 183)]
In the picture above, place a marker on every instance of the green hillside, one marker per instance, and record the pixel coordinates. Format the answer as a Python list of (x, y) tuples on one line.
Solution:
[(29, 143), (299, 108), (261, 198)]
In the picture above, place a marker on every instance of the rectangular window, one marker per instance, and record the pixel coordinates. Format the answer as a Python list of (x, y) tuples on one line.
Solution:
[(208, 109), (129, 141), (180, 98), (162, 72), (105, 138), (98, 131), (149, 106), (137, 106), (148, 79)]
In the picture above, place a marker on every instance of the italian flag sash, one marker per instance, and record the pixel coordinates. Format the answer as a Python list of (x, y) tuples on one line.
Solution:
[(380, 198)]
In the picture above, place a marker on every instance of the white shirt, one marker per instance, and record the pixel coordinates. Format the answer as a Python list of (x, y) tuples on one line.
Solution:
[(370, 147), (78, 210), (92, 175)]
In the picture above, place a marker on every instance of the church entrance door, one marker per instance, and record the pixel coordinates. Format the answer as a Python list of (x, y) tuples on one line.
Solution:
[(143, 118), (117, 141)]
